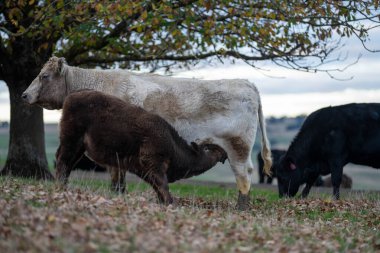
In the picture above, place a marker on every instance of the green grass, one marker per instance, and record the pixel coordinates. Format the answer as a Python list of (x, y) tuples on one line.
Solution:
[(177, 189)]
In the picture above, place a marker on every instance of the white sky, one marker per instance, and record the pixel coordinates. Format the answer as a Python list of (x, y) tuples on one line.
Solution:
[(292, 92)]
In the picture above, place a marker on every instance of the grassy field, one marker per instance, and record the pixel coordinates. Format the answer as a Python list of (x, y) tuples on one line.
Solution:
[(364, 178), (87, 217)]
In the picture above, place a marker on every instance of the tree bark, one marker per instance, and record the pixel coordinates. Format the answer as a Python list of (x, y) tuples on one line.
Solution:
[(26, 154)]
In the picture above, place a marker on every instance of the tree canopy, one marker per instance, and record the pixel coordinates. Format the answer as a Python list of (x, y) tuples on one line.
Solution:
[(296, 34), (164, 33)]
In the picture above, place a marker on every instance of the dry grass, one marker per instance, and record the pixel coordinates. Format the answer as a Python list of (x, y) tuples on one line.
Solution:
[(38, 217)]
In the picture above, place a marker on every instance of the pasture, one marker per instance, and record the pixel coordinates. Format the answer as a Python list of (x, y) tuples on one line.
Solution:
[(87, 217), (364, 178)]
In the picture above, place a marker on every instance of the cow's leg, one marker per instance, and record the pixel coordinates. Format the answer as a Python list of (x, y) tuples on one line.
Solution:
[(269, 180), (306, 190), (67, 155), (243, 175), (117, 179), (310, 182), (239, 156), (336, 180), (336, 159)]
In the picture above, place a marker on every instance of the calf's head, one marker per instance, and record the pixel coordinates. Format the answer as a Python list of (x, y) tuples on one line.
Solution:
[(214, 152), (48, 89), (289, 177)]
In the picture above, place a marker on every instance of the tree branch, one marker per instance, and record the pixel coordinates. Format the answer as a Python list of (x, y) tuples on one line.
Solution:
[(80, 49), (139, 58), (75, 51), (364, 45), (34, 24)]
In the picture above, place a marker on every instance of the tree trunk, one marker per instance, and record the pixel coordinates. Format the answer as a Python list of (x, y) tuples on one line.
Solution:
[(26, 153)]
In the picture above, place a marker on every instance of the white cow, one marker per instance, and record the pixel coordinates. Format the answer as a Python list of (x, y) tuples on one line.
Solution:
[(222, 112)]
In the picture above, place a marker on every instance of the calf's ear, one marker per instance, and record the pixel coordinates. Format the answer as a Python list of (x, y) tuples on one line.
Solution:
[(194, 146)]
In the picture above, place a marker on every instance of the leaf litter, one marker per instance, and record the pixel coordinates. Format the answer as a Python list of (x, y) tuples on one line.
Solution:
[(39, 217)]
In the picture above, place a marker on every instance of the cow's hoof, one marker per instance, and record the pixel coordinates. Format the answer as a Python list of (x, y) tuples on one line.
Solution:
[(243, 202)]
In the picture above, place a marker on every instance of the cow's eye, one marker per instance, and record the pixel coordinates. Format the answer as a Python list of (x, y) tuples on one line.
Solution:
[(45, 76)]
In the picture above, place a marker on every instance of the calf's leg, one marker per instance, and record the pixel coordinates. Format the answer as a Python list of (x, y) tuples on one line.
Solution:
[(67, 156), (156, 177), (159, 183), (117, 179)]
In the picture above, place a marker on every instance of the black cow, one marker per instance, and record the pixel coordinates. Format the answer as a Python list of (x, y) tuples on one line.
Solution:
[(276, 156), (329, 139)]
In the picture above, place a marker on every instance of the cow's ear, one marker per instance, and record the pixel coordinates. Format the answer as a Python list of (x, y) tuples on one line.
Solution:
[(61, 63), (290, 164)]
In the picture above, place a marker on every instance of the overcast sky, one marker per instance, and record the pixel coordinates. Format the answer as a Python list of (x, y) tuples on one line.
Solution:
[(290, 92), (287, 92)]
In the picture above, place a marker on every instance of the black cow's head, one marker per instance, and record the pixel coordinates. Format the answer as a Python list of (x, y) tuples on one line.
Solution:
[(289, 177)]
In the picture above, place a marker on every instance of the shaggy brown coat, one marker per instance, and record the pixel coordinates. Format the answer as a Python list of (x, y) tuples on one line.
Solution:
[(122, 137)]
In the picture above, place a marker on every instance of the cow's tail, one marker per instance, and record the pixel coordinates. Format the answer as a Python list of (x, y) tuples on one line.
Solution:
[(265, 146)]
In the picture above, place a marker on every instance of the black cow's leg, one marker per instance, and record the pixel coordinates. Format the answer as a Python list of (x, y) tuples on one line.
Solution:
[(337, 159), (306, 191), (261, 176), (310, 182), (336, 180)]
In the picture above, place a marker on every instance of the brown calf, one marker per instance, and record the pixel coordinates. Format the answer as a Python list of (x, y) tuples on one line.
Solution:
[(122, 137)]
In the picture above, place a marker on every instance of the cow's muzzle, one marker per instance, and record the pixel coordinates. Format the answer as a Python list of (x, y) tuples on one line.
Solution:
[(26, 98)]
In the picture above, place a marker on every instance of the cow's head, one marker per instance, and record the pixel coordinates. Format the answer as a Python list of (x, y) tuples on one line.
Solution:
[(48, 89), (289, 177)]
